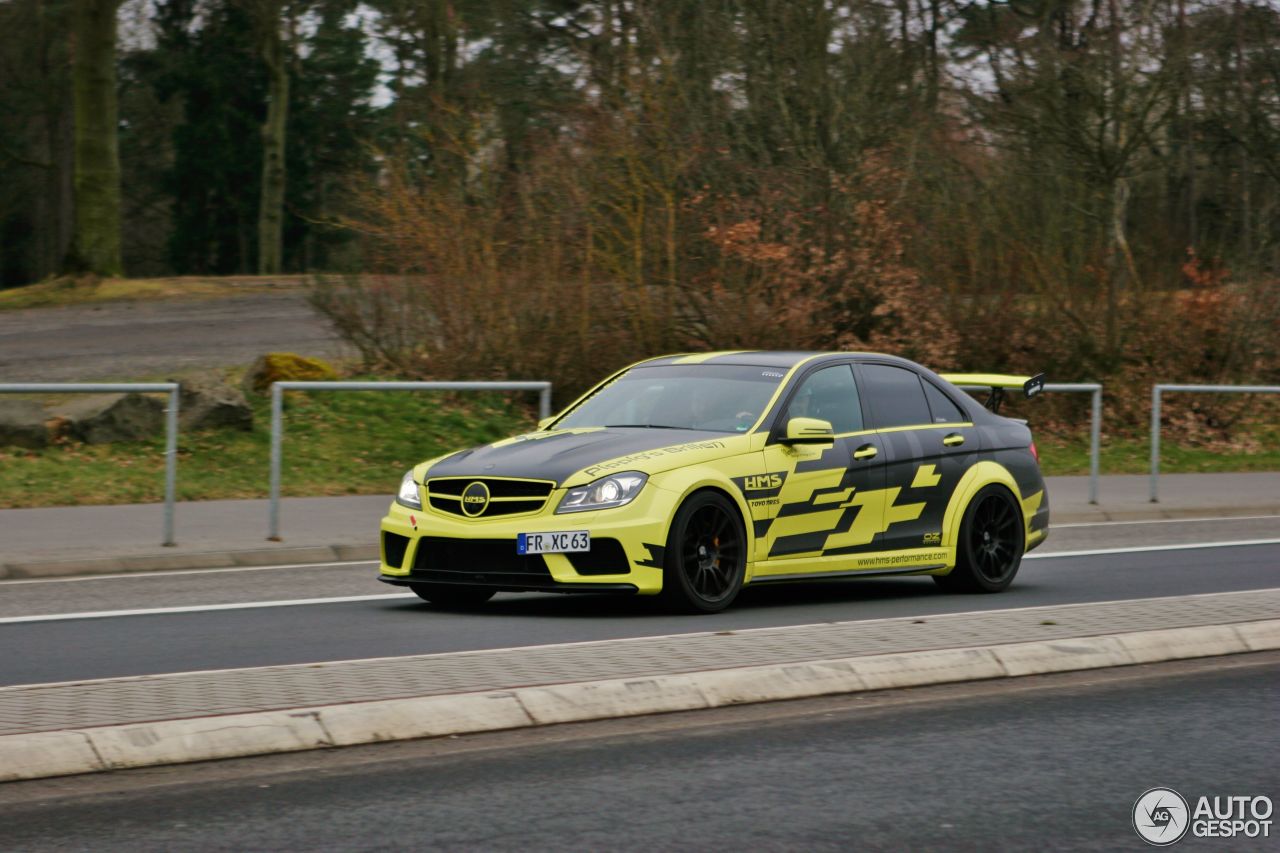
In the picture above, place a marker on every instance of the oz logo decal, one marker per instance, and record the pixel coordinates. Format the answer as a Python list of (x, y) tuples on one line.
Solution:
[(1161, 817)]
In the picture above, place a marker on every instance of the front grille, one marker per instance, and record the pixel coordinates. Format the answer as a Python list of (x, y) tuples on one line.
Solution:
[(488, 562), (506, 497)]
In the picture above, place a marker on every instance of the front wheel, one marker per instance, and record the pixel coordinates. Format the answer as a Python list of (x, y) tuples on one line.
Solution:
[(706, 557), (452, 595), (991, 544)]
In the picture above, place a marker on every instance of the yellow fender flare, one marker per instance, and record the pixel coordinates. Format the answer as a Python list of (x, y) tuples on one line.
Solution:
[(689, 480), (978, 477)]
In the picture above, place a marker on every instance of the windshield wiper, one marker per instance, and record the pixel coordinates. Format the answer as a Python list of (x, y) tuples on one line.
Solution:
[(643, 426)]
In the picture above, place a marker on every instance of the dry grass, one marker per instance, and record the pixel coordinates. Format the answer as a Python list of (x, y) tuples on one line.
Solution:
[(86, 289)]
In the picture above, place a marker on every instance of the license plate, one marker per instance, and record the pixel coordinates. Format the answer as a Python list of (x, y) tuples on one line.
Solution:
[(553, 543)]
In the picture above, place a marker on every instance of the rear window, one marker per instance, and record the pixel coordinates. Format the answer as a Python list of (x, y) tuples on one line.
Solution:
[(944, 411), (896, 396)]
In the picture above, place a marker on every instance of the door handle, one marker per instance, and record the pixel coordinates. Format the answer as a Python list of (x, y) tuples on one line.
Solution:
[(866, 451), (955, 439)]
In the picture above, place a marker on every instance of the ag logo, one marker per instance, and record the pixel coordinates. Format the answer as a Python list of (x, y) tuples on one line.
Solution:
[(475, 498), (1161, 817)]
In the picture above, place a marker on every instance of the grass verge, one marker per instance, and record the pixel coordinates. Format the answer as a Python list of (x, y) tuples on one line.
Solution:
[(361, 443), (79, 291), (1257, 449)]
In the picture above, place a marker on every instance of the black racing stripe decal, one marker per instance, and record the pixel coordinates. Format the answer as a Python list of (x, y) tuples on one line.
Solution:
[(799, 543), (656, 554), (792, 544)]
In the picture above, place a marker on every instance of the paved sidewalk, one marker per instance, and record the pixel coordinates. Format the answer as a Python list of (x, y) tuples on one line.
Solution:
[(76, 540), (79, 705)]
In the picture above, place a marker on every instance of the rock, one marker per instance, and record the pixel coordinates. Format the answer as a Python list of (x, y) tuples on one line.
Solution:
[(22, 424), (207, 401), (284, 367), (104, 418)]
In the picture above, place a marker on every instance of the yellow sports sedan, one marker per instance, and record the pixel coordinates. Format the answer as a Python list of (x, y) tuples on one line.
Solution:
[(691, 476)]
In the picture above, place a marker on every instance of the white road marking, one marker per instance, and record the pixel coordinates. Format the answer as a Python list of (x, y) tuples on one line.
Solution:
[(1188, 546), (1053, 526), (641, 638), (252, 605), (199, 608), (146, 574)]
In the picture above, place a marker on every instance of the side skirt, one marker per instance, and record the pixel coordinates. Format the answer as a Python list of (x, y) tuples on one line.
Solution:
[(847, 573)]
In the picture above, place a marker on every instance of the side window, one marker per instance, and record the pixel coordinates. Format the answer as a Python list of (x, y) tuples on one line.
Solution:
[(944, 411), (896, 396), (831, 395)]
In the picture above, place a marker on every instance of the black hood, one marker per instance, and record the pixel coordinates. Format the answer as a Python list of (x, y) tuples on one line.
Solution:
[(558, 455)]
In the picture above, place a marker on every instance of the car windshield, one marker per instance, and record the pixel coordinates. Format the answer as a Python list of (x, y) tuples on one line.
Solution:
[(711, 397)]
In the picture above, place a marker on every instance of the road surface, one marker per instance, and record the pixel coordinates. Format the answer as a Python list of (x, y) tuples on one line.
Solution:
[(127, 340), (236, 618), (1042, 763)]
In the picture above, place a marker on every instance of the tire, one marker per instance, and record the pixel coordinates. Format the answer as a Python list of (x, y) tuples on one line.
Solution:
[(706, 556), (992, 540), (451, 595)]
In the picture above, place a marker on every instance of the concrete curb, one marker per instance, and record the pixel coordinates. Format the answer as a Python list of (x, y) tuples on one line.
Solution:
[(284, 555), (45, 754)]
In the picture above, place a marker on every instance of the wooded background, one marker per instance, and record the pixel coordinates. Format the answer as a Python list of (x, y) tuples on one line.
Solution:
[(549, 188)]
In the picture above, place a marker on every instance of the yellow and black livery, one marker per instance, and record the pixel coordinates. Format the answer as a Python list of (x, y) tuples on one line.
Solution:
[(691, 476)]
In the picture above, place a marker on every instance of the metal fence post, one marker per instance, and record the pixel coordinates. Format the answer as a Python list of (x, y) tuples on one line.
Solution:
[(1157, 390), (277, 428), (277, 418), (171, 424), (1155, 441), (170, 465), (1095, 441)]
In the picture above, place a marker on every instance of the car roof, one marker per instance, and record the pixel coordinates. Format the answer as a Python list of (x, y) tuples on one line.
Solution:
[(762, 358)]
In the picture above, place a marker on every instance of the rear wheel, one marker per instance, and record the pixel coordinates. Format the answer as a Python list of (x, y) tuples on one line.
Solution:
[(991, 544), (706, 557), (451, 595)]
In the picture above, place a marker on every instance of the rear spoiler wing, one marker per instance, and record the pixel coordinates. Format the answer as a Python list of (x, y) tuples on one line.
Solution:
[(998, 383)]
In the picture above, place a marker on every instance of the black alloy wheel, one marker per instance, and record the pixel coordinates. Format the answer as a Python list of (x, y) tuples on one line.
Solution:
[(452, 595), (991, 544), (706, 555)]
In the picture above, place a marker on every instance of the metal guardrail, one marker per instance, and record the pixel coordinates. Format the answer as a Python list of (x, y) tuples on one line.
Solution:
[(171, 424), (277, 416), (1157, 390), (1095, 423)]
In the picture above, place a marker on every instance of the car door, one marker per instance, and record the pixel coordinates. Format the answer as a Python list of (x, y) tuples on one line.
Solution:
[(928, 445), (826, 495)]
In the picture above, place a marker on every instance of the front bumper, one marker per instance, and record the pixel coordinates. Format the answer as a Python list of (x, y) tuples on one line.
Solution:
[(429, 546)]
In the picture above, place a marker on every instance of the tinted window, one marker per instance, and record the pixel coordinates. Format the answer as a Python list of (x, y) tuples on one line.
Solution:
[(830, 395), (896, 396), (944, 411)]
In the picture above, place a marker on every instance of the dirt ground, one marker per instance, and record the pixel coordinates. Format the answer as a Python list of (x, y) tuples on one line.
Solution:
[(157, 339)]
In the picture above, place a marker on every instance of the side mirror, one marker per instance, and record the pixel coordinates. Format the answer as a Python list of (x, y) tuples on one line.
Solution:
[(545, 422), (808, 431)]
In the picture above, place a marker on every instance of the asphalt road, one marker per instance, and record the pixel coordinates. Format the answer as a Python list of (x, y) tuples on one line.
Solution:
[(1053, 763), (126, 340), (242, 627)]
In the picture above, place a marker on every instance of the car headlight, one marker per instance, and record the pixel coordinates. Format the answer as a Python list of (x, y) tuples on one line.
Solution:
[(607, 492), (408, 495)]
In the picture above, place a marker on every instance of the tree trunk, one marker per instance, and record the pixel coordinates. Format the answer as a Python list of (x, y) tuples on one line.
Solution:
[(96, 247), (271, 204)]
